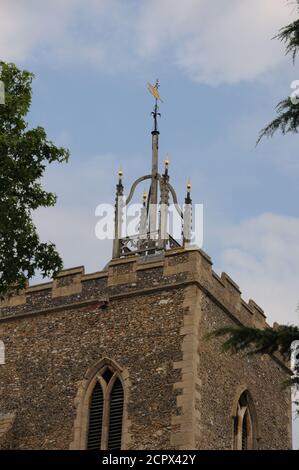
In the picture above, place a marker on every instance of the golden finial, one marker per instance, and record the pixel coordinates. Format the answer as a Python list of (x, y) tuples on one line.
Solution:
[(189, 185), (166, 163), (144, 195), (120, 172)]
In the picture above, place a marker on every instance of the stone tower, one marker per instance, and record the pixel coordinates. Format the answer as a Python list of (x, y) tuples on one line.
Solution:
[(119, 359)]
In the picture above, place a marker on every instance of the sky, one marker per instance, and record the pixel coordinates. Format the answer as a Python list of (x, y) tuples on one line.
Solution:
[(221, 75)]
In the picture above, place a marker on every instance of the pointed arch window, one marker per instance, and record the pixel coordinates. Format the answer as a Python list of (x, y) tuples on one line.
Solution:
[(95, 418), (243, 429), (105, 420)]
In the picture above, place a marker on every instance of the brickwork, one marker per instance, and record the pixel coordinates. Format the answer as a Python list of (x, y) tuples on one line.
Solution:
[(148, 315), (224, 377)]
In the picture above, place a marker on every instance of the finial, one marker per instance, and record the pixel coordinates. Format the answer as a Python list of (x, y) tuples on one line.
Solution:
[(144, 197), (119, 186), (188, 199), (166, 164)]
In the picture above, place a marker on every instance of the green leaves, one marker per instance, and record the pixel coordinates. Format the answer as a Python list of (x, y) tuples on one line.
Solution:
[(17, 97), (288, 112), (290, 36), (268, 340), (287, 120), (24, 155), (282, 339)]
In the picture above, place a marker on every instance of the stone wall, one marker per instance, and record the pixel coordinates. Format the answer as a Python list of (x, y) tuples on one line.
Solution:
[(223, 377), (148, 315), (48, 355)]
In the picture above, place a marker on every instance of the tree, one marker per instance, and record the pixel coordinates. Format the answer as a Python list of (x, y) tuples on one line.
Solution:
[(24, 155), (283, 339), (287, 109)]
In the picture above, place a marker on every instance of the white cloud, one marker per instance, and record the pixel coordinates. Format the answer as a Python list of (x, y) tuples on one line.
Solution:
[(212, 42), (24, 25), (50, 30), (262, 256), (73, 232), (81, 185)]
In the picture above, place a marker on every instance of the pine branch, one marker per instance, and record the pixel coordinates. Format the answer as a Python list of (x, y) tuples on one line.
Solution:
[(264, 341), (292, 382), (288, 112), (287, 120), (290, 36)]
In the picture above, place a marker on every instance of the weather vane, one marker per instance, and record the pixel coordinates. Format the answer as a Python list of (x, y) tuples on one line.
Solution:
[(154, 90)]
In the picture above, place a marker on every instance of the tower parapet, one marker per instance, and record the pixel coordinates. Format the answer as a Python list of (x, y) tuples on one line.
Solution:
[(126, 276)]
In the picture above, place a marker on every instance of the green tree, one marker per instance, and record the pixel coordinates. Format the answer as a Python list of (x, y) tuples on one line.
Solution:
[(287, 119), (282, 339), (24, 155)]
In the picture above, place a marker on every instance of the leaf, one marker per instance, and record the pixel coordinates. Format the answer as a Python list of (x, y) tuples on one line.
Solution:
[(24, 156)]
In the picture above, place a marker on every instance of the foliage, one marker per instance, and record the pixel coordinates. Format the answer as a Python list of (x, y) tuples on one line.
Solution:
[(286, 121), (283, 339), (288, 112), (24, 155)]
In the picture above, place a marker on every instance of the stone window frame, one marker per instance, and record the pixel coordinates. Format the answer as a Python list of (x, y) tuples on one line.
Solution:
[(240, 413), (82, 404)]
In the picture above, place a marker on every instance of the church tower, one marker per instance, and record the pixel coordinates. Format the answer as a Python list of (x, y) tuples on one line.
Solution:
[(119, 359)]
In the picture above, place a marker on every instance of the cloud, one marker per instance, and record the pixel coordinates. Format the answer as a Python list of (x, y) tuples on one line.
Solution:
[(214, 42), (262, 256), (54, 31), (73, 232), (211, 42), (81, 185)]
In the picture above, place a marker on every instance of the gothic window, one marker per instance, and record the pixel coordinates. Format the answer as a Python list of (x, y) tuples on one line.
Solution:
[(116, 416), (95, 418), (106, 405), (243, 432)]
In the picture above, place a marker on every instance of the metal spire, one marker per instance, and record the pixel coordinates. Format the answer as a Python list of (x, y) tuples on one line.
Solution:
[(152, 233), (154, 90), (118, 220)]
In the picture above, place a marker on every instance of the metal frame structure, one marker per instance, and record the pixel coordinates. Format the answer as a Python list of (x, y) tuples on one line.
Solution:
[(153, 233)]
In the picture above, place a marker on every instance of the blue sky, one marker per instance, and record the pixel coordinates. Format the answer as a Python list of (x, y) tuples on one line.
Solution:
[(221, 76)]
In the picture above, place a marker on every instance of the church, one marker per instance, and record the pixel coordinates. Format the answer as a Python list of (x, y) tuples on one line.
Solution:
[(119, 358)]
